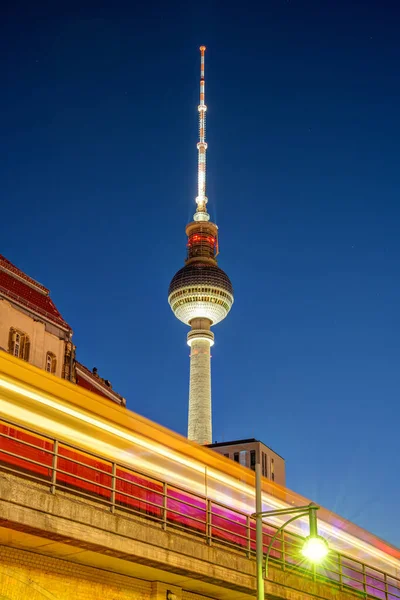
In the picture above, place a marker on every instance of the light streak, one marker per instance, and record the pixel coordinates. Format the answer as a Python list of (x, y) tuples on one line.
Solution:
[(47, 401), (171, 475)]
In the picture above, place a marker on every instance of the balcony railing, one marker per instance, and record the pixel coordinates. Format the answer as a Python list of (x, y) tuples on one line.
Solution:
[(64, 467)]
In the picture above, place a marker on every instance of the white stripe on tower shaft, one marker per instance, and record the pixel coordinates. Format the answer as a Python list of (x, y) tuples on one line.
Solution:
[(199, 429), (202, 144)]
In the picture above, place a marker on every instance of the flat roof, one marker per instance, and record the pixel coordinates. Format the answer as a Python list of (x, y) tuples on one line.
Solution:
[(239, 442)]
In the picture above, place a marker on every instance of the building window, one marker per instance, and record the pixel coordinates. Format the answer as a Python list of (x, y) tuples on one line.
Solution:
[(243, 458), (226, 455), (236, 456), (272, 470), (18, 344), (253, 460), (51, 362), (264, 465)]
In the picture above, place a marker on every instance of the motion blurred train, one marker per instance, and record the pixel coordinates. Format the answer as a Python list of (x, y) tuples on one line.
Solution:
[(73, 440)]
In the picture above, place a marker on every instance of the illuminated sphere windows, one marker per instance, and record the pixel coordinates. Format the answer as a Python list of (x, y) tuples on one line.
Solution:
[(200, 290)]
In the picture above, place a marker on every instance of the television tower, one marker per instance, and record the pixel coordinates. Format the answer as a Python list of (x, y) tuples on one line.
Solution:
[(201, 294)]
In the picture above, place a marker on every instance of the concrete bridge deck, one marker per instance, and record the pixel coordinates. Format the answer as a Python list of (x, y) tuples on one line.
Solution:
[(64, 528)]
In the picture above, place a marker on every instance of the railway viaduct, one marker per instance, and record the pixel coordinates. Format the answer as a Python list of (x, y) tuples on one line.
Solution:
[(61, 541), (61, 547)]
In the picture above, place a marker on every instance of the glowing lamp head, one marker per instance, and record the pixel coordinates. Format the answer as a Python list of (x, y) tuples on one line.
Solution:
[(315, 548)]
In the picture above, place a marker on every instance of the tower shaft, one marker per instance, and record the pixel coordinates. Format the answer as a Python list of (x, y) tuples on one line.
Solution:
[(200, 340), (199, 422)]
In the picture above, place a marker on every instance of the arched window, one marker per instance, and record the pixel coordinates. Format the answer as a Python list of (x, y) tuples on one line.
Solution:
[(51, 362), (19, 344)]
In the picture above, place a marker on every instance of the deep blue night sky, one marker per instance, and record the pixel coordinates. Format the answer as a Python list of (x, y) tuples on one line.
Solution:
[(98, 178)]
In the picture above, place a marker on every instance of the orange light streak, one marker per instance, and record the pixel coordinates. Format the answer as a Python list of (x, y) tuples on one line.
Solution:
[(202, 476)]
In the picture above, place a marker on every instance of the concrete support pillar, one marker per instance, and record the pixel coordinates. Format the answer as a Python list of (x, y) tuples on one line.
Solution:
[(200, 341)]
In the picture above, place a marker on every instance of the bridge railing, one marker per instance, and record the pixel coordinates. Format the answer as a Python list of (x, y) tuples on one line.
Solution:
[(62, 466)]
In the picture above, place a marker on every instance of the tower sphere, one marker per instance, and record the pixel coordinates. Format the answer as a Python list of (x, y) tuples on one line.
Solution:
[(200, 290)]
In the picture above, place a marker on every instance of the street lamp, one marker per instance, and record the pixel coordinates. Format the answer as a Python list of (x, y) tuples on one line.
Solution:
[(315, 547)]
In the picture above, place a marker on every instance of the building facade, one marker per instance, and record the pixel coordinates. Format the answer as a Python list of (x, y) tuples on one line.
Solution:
[(249, 452), (32, 329)]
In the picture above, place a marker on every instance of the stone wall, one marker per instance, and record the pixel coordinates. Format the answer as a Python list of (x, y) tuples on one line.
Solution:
[(30, 576)]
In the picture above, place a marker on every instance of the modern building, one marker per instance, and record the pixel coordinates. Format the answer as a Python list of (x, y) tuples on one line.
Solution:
[(201, 294), (249, 452), (32, 329)]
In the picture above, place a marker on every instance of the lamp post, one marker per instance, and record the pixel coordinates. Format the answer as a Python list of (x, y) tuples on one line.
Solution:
[(315, 547)]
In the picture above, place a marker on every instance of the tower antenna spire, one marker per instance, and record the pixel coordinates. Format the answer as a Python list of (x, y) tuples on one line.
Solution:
[(201, 199)]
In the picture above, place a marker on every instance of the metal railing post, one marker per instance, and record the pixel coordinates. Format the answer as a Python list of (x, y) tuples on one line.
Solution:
[(164, 506), (340, 571), (364, 580), (54, 468), (386, 586), (208, 523), (113, 486)]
